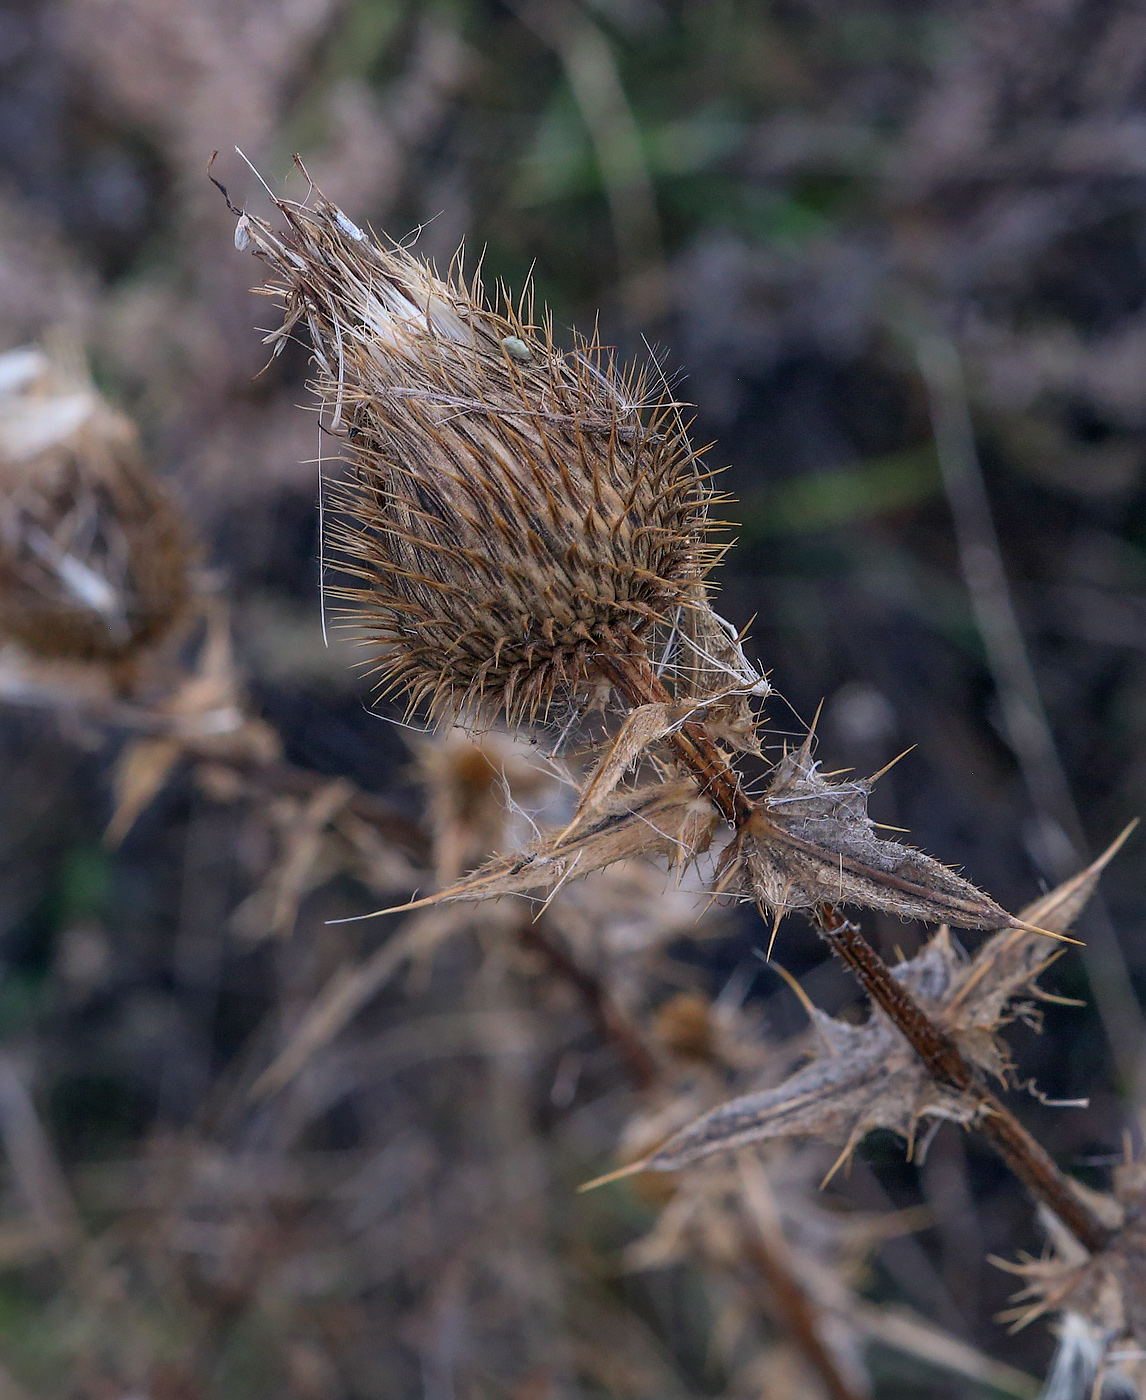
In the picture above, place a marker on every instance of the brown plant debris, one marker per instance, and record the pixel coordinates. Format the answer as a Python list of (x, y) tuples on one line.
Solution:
[(1100, 1298), (864, 1077), (513, 510), (204, 718), (811, 842), (93, 562), (469, 788)]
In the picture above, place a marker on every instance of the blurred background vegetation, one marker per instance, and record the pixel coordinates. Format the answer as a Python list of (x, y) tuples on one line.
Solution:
[(847, 230)]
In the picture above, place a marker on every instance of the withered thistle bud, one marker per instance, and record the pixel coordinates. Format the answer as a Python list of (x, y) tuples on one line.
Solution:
[(513, 512), (93, 560)]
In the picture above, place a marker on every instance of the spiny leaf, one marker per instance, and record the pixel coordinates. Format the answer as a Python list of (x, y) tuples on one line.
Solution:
[(1008, 964), (812, 842), (864, 1077)]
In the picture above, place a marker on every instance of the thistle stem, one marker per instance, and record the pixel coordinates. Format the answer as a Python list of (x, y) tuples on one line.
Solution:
[(610, 1022), (635, 679), (640, 685)]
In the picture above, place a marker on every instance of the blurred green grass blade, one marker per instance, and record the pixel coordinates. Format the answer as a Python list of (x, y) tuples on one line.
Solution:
[(827, 500)]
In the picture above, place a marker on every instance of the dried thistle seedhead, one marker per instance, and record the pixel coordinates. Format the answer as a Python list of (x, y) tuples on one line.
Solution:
[(513, 510), (93, 562)]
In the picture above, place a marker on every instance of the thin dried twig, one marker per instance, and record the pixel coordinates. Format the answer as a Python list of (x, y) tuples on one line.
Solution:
[(768, 1252), (610, 1022)]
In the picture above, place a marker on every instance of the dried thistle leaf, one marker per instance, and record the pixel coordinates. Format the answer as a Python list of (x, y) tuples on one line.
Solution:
[(514, 510), (711, 669), (863, 1077), (663, 819), (642, 727), (1101, 1296), (203, 716), (272, 909), (866, 1077), (813, 843), (141, 771), (1009, 964)]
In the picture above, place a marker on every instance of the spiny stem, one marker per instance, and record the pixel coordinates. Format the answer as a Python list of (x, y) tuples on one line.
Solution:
[(635, 679), (946, 1064)]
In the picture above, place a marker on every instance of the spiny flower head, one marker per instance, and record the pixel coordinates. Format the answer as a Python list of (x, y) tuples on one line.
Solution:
[(513, 511)]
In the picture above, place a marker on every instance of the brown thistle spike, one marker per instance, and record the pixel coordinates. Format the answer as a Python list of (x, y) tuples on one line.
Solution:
[(93, 561), (513, 512)]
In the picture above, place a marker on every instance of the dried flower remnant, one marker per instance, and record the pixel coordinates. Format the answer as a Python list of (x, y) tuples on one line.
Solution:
[(93, 562), (514, 511), (1100, 1298)]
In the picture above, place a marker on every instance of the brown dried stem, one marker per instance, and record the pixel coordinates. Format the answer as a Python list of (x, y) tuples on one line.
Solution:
[(609, 1021), (635, 679), (766, 1250), (278, 778), (799, 1317)]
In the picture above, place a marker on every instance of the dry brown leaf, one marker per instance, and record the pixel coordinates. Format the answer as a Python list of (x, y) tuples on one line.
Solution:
[(273, 908), (864, 1077), (203, 717), (642, 727), (344, 995), (663, 819), (1009, 963), (141, 770), (812, 842), (713, 671)]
